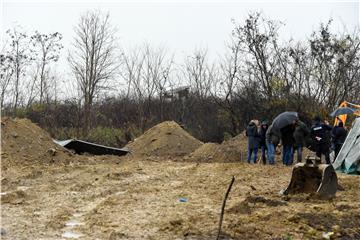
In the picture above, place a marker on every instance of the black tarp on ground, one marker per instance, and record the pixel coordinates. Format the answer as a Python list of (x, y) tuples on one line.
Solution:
[(80, 147)]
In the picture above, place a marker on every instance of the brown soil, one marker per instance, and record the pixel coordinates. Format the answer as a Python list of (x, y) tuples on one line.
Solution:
[(23, 142), (232, 150), (164, 139), (15, 197), (208, 152), (129, 198)]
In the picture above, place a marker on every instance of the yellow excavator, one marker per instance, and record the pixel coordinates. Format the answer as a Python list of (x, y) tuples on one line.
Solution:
[(343, 117)]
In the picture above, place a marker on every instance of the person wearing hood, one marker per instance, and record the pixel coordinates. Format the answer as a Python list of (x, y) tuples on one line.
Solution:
[(300, 134), (263, 128), (339, 134), (320, 133), (272, 139), (253, 140)]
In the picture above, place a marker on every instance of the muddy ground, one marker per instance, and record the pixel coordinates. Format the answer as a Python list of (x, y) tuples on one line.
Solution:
[(125, 198), (132, 197)]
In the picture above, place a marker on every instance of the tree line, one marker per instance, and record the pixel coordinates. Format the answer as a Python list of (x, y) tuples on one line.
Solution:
[(132, 89)]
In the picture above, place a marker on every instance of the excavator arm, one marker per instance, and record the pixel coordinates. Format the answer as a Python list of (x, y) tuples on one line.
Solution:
[(344, 117)]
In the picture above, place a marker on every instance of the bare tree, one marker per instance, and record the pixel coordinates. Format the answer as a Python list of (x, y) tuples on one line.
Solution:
[(131, 69), (20, 58), (163, 82), (6, 73), (228, 83), (258, 38), (198, 73), (131, 72), (93, 58), (336, 68), (47, 50), (156, 73), (146, 71), (30, 86)]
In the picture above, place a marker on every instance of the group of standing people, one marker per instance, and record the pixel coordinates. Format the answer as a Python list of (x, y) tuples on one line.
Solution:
[(320, 137)]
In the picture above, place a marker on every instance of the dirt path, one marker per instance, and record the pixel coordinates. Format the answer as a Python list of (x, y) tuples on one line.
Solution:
[(112, 198)]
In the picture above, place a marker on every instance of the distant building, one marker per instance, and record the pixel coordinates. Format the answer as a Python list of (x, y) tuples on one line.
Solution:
[(177, 93)]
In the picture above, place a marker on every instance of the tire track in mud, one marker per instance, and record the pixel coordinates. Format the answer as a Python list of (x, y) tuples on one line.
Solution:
[(72, 230), (78, 219)]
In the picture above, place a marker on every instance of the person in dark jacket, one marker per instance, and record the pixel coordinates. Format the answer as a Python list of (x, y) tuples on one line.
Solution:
[(272, 139), (263, 128), (300, 134), (339, 134), (287, 139), (320, 133), (253, 140)]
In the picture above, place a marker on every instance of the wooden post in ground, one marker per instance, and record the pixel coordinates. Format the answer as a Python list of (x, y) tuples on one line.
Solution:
[(223, 206)]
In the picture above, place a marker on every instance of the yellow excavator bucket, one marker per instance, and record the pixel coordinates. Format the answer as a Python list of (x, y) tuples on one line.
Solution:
[(311, 177)]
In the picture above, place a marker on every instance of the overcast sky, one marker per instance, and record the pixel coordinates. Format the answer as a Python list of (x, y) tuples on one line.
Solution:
[(180, 26)]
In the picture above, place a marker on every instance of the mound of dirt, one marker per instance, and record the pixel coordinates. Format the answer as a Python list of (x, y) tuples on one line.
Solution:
[(164, 139), (235, 149), (232, 150), (207, 152), (239, 141), (24, 142)]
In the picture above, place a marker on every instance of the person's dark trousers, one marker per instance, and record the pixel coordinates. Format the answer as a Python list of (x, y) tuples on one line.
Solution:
[(250, 153), (299, 153), (323, 149), (337, 149), (287, 155), (263, 153), (327, 157)]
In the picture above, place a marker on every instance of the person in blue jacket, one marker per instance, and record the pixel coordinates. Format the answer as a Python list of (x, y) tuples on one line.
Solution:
[(252, 133)]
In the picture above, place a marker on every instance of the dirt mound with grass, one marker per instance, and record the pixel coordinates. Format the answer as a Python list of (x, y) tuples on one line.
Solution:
[(164, 139), (23, 142), (232, 150), (235, 149), (207, 153)]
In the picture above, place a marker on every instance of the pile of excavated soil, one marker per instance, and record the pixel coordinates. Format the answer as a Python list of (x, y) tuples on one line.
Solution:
[(232, 150), (207, 153), (235, 148), (23, 142), (164, 139)]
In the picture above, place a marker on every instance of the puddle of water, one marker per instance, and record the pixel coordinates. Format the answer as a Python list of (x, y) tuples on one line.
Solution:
[(73, 223), (71, 235)]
